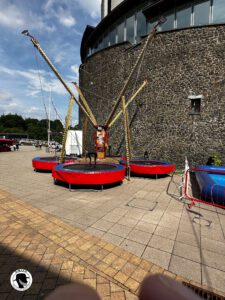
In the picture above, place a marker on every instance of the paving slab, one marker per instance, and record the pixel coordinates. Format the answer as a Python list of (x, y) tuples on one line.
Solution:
[(188, 252), (187, 268), (157, 256), (133, 247), (214, 276), (168, 227), (169, 233), (161, 243)]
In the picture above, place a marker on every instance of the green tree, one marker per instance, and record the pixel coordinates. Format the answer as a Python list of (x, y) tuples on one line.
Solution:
[(36, 129), (12, 121)]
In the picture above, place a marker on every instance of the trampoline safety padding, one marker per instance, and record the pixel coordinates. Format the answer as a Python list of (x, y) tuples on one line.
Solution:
[(47, 163), (149, 167), (86, 174), (211, 184)]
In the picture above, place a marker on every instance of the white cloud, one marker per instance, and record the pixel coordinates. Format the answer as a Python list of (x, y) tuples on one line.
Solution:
[(59, 57), (12, 104), (75, 69), (38, 23), (90, 7), (93, 8), (64, 53), (11, 17), (67, 21), (48, 4), (5, 98), (77, 32), (15, 17), (56, 9), (36, 81), (65, 18)]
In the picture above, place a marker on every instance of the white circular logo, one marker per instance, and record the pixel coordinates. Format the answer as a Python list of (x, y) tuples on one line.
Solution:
[(21, 280)]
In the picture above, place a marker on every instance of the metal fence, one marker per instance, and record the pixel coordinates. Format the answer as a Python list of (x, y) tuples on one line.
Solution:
[(205, 186)]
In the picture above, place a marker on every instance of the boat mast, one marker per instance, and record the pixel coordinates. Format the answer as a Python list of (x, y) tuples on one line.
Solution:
[(49, 116)]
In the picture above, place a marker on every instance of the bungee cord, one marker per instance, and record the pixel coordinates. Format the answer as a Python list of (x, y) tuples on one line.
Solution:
[(41, 85)]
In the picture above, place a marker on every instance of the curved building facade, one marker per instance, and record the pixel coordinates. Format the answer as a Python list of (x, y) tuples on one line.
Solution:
[(182, 109)]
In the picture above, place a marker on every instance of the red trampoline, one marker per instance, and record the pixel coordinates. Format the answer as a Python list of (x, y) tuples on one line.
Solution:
[(149, 167), (89, 174), (47, 163)]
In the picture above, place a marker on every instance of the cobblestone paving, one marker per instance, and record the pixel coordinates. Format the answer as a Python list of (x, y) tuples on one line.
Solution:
[(96, 231)]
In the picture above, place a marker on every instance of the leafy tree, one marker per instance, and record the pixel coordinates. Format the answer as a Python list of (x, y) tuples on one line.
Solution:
[(36, 129), (29, 121)]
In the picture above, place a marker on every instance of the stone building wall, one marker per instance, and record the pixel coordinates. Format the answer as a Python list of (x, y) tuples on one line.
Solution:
[(175, 63)]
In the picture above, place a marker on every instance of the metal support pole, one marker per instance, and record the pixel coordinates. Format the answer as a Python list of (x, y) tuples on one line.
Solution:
[(85, 129), (126, 137), (49, 119), (128, 133), (68, 120)]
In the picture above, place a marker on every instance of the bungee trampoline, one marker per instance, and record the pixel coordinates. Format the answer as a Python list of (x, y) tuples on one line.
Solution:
[(149, 167), (47, 163), (102, 173), (98, 174)]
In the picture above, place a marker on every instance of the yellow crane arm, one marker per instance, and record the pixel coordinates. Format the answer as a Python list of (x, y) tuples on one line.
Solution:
[(126, 130), (122, 92), (44, 55), (128, 102), (65, 133), (149, 39), (85, 102)]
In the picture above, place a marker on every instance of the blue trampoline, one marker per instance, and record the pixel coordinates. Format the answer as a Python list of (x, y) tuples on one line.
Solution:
[(211, 182)]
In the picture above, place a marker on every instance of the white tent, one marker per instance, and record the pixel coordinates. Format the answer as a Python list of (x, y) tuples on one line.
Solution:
[(74, 142)]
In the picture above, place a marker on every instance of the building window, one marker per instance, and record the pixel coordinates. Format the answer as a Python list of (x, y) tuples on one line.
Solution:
[(197, 13), (120, 32), (141, 26), (89, 51), (169, 24), (112, 36), (218, 11), (130, 29), (201, 13), (195, 104), (100, 44), (95, 48), (106, 41), (184, 17), (151, 24)]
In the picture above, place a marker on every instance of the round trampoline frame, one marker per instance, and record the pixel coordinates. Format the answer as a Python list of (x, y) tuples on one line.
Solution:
[(158, 167), (211, 191), (87, 177), (46, 163), (210, 169)]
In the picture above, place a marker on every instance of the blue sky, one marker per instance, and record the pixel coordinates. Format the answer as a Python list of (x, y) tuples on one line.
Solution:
[(58, 25)]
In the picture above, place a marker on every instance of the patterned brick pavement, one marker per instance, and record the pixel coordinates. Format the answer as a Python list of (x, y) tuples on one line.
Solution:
[(57, 253)]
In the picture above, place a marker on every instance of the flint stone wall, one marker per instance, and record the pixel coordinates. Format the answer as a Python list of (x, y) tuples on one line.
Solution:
[(176, 63)]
